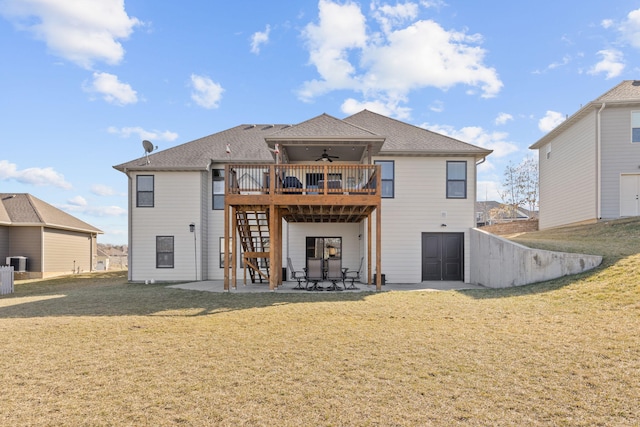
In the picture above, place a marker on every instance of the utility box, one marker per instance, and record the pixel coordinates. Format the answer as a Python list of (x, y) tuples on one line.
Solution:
[(19, 263)]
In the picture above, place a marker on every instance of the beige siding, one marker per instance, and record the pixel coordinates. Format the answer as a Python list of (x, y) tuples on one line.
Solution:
[(4, 244), (619, 156), (572, 163), (27, 241), (421, 205), (177, 203), (66, 252), (294, 235)]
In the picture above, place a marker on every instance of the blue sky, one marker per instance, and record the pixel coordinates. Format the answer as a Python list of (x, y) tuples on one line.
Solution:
[(82, 83)]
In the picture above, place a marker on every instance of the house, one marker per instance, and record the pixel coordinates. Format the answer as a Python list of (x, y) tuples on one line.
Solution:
[(366, 187), (492, 212), (40, 240), (590, 163)]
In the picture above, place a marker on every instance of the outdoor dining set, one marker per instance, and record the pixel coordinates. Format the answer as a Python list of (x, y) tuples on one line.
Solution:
[(320, 270)]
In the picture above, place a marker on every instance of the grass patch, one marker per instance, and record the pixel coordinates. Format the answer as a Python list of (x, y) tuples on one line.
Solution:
[(94, 350)]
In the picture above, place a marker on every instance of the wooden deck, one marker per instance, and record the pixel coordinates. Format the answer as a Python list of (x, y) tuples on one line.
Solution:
[(309, 193)]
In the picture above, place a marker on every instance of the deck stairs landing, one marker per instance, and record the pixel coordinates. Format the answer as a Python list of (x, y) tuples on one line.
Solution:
[(253, 230)]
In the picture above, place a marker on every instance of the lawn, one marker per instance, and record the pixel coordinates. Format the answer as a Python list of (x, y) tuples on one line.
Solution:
[(94, 350)]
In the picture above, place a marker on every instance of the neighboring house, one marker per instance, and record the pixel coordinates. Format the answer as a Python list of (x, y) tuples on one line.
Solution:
[(111, 257), (590, 163), (492, 212), (366, 187), (43, 240)]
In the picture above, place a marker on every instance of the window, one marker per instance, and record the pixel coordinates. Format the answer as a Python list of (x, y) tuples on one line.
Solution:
[(144, 188), (456, 180), (387, 168), (548, 150), (635, 126), (164, 251), (223, 252), (218, 189)]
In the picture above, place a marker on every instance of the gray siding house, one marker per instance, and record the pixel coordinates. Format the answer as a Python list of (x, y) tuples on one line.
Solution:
[(44, 240), (366, 190), (590, 163)]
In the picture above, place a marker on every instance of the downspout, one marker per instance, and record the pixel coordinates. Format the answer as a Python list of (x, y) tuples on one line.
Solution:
[(129, 227), (599, 163)]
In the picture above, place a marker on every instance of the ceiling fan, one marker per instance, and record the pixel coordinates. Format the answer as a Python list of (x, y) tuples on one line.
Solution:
[(326, 157)]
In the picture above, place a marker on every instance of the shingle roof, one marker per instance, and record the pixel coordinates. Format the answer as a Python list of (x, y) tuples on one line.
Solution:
[(248, 143), (404, 138), (627, 90), (625, 93), (25, 209), (323, 126)]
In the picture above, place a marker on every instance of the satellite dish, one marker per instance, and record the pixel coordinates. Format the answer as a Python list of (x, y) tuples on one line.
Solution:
[(148, 147)]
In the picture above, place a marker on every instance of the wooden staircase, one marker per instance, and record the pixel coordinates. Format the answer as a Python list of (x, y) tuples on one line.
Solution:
[(253, 229)]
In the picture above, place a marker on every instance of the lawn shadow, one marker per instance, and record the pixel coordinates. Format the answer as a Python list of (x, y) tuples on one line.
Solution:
[(132, 299)]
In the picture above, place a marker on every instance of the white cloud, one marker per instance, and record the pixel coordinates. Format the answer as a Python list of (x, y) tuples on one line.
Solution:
[(83, 32), (550, 121), (78, 201), (496, 141), (206, 93), (151, 135), (395, 62), (488, 190), (33, 176), (607, 23), (259, 38), (102, 190), (437, 106), (630, 28), (111, 89), (352, 106), (97, 211), (503, 118), (393, 16), (612, 63)]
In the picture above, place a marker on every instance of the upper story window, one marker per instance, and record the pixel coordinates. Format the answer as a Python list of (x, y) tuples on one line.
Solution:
[(456, 180), (144, 191), (164, 252), (387, 168), (635, 126), (218, 189)]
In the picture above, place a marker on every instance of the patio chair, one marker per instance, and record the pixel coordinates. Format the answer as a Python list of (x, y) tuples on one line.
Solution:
[(334, 274), (353, 275), (314, 274), (294, 274)]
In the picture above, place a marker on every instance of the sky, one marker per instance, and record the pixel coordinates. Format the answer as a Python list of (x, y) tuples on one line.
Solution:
[(82, 83)]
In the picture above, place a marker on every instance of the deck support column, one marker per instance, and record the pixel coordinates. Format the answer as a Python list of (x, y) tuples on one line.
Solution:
[(227, 212), (273, 247), (378, 249)]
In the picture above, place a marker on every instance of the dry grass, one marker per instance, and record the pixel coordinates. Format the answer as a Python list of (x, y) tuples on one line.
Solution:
[(97, 351)]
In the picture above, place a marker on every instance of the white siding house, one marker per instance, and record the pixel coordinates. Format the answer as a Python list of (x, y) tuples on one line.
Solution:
[(590, 164), (425, 202)]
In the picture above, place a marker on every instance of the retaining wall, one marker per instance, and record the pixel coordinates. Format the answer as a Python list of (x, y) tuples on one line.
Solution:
[(500, 263)]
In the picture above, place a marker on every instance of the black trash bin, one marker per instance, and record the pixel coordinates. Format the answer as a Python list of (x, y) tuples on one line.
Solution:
[(383, 279)]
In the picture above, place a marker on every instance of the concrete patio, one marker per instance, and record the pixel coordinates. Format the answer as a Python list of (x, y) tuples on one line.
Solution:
[(218, 286)]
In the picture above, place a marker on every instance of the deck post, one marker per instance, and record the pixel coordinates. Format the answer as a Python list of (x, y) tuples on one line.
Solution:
[(227, 212)]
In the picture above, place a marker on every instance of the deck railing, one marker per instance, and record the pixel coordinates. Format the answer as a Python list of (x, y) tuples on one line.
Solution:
[(302, 179)]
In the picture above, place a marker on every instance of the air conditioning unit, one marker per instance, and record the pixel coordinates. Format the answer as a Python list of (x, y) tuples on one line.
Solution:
[(19, 263)]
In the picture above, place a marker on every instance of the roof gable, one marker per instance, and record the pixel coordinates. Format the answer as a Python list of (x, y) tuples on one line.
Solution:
[(323, 127), (625, 93), (25, 209)]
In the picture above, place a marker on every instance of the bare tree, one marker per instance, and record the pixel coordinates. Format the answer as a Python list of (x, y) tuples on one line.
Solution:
[(520, 186)]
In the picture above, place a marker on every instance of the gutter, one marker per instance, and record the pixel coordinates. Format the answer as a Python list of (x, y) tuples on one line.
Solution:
[(599, 162)]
